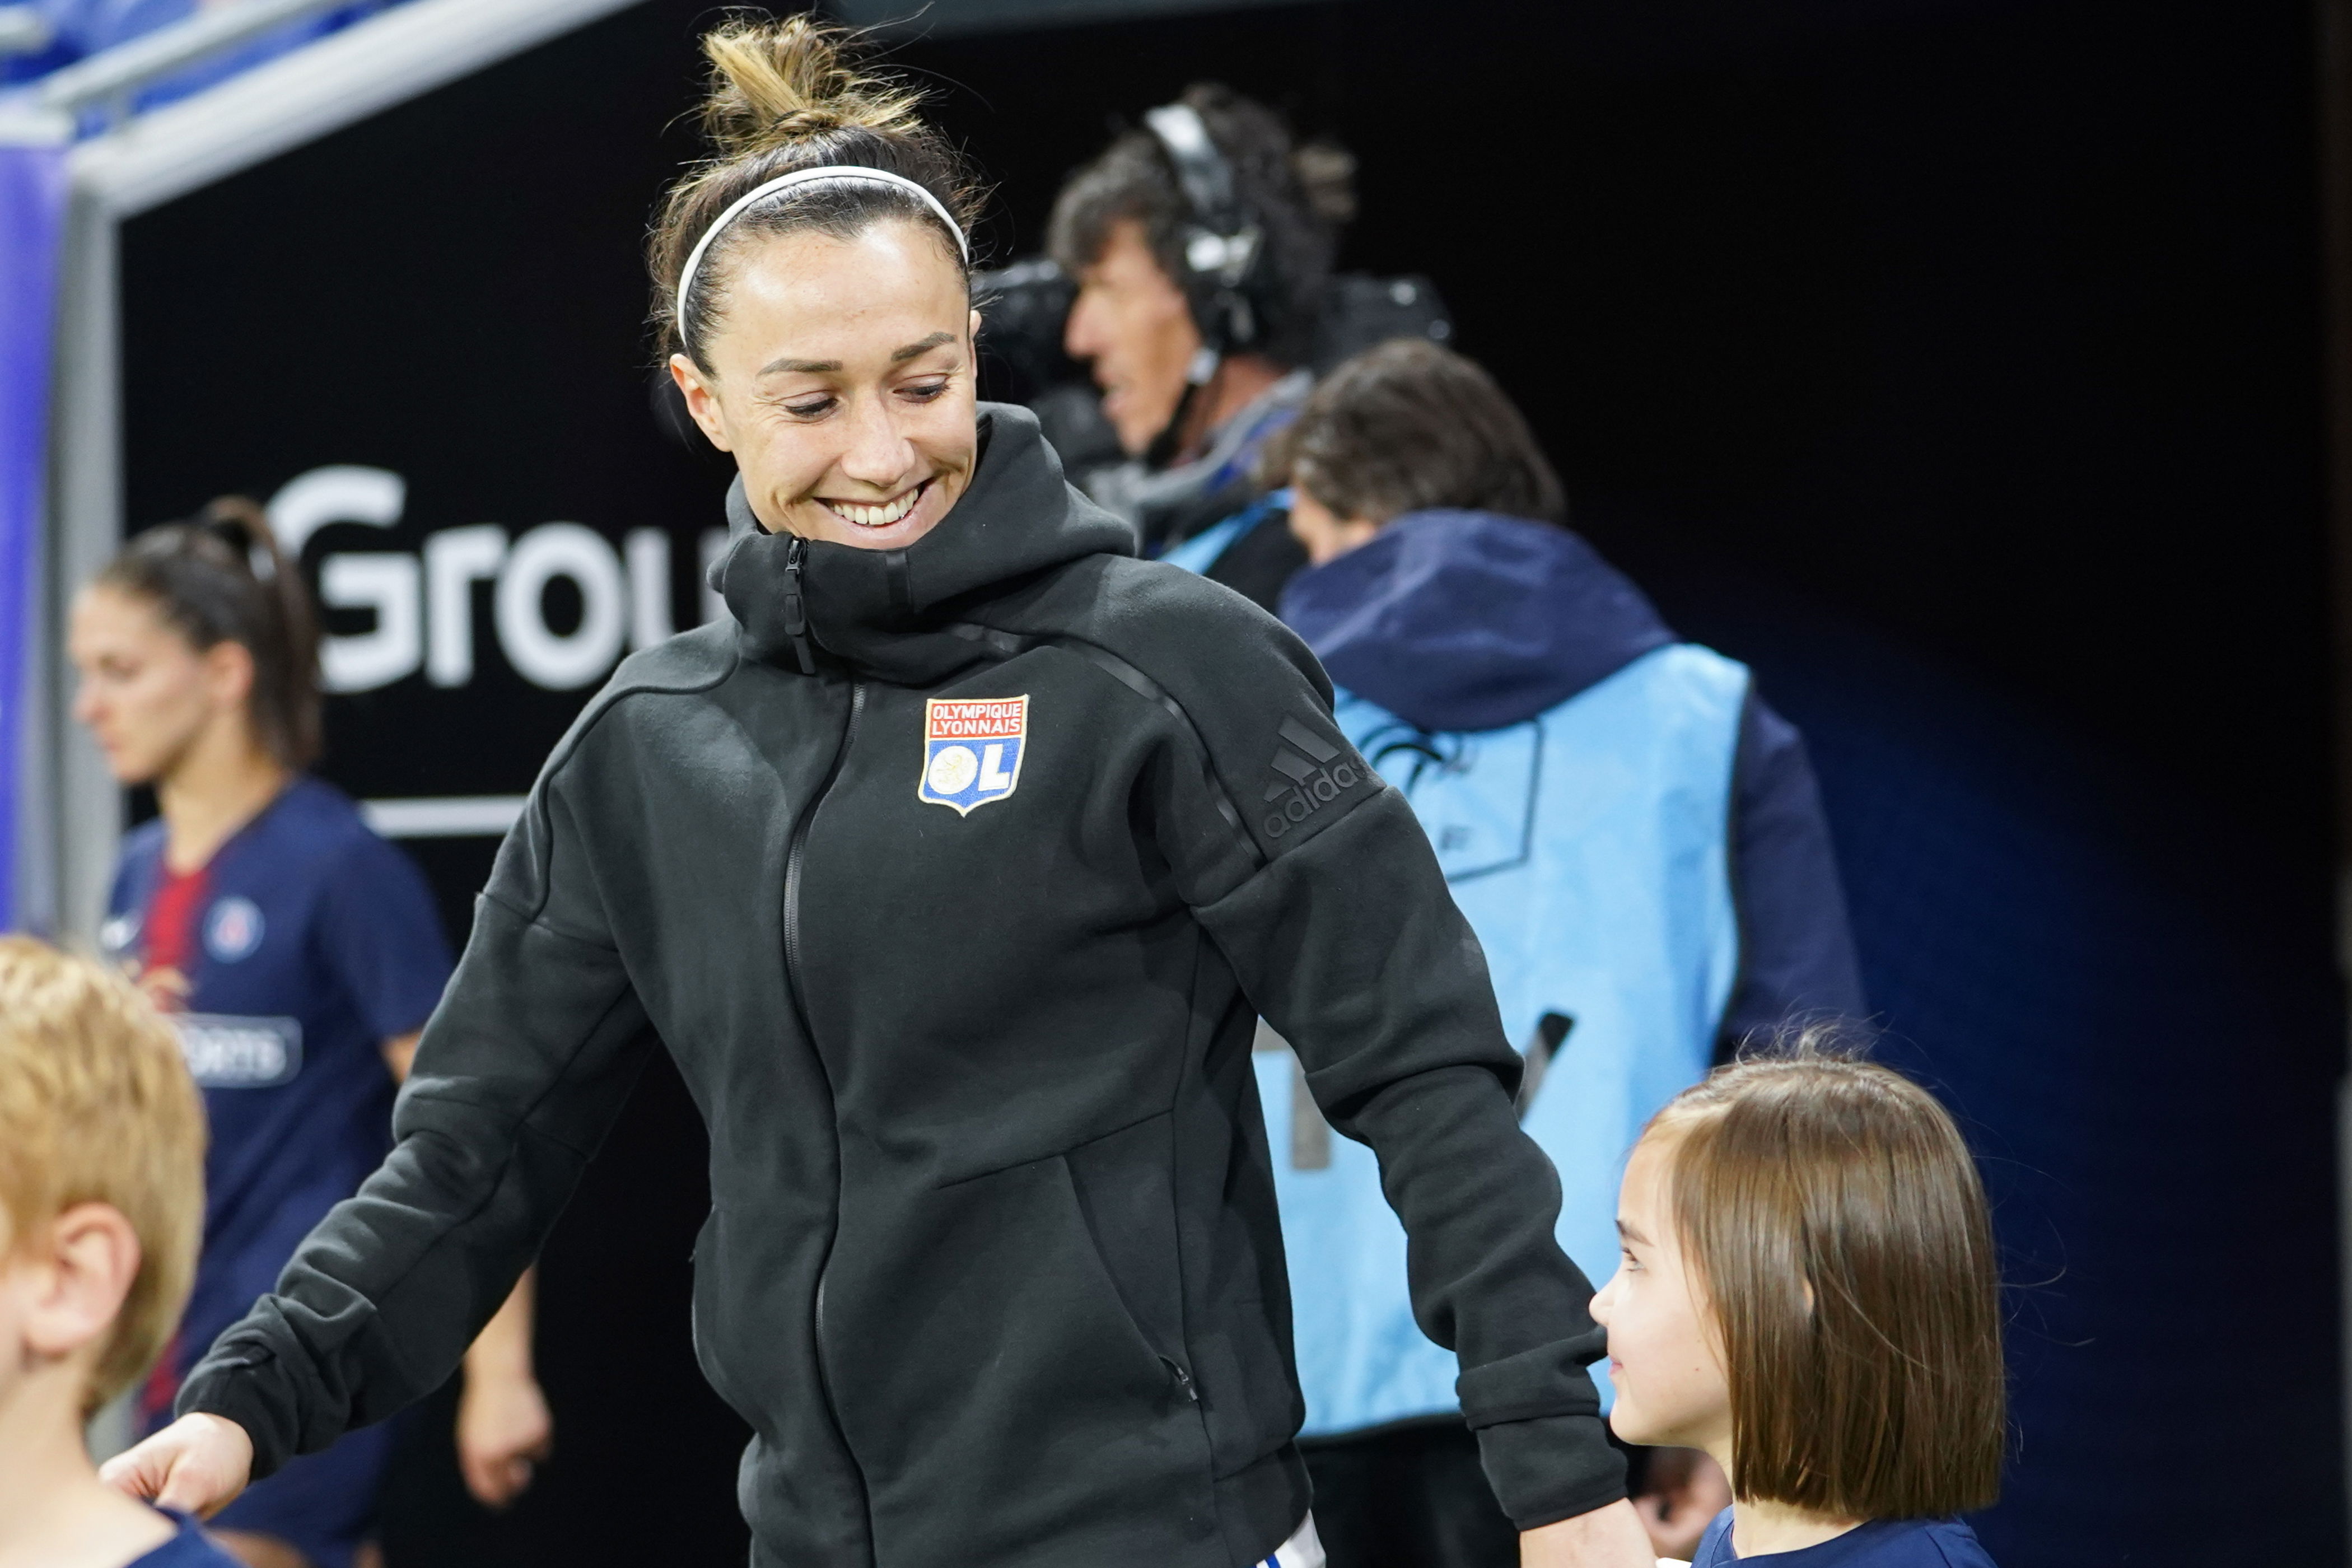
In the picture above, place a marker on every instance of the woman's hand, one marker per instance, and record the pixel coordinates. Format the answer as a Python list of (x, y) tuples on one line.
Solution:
[(197, 1465), (1610, 1537), (504, 1430)]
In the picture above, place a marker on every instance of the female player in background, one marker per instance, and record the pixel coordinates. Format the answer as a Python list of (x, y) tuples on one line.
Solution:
[(297, 953)]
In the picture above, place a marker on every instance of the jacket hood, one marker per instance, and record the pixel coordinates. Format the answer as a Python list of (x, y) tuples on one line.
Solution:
[(896, 614), (1467, 620)]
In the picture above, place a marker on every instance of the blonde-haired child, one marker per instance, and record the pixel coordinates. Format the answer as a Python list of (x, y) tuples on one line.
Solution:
[(1806, 1291), (102, 1207)]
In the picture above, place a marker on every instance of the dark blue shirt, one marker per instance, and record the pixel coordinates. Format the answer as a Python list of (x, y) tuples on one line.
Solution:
[(1880, 1543), (189, 1549), (308, 942)]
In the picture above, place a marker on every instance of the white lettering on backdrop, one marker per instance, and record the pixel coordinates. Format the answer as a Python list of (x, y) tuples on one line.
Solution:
[(423, 602)]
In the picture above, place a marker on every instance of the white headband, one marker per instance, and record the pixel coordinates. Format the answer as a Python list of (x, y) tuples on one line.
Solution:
[(804, 178)]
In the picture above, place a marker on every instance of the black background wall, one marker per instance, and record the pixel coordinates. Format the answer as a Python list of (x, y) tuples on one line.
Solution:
[(1957, 365)]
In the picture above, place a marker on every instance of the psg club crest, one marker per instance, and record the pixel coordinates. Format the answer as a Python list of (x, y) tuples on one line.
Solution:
[(972, 749), (233, 929)]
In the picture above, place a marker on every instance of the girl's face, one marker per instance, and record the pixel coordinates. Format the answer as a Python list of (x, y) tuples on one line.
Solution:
[(841, 378), (1664, 1359), (146, 695)]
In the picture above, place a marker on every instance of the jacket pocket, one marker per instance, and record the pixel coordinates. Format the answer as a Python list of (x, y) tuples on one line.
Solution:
[(991, 1361), (1224, 1356), (1119, 1194)]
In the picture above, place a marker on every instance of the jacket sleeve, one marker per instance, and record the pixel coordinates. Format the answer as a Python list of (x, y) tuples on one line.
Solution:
[(1316, 881), (521, 1070), (1795, 950)]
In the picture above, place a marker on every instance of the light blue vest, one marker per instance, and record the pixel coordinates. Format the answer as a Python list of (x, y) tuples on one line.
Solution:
[(1589, 848), (1200, 552)]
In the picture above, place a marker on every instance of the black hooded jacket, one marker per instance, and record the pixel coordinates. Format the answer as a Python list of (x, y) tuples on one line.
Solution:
[(993, 1268)]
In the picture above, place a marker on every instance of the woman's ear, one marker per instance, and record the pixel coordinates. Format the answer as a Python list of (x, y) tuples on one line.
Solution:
[(701, 402), (228, 673)]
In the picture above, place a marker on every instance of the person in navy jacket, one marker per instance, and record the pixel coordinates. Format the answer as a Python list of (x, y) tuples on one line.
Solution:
[(1635, 835)]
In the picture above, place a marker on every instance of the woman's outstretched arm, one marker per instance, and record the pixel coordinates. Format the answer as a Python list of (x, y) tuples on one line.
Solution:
[(521, 1070), (1317, 882)]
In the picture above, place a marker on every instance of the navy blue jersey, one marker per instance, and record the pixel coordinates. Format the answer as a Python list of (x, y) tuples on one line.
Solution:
[(188, 1549), (286, 962), (1879, 1544)]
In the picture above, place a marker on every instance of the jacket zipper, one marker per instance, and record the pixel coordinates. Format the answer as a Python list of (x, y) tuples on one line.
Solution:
[(796, 612), (798, 850), (796, 853)]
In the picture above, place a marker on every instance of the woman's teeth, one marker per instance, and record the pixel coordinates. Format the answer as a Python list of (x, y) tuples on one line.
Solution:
[(881, 516)]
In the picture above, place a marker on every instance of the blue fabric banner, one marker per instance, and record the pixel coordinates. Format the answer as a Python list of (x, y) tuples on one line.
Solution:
[(32, 212)]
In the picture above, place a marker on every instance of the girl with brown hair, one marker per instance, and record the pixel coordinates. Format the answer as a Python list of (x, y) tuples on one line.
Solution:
[(953, 870), (1806, 1291)]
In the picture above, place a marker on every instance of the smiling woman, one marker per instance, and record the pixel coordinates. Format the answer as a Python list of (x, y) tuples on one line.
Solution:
[(814, 282), (993, 1268), (849, 408)]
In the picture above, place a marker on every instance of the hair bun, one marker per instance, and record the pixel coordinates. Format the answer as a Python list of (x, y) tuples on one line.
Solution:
[(774, 83), (244, 527)]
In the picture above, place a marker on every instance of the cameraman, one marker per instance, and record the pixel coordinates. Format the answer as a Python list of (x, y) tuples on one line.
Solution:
[(1201, 364)]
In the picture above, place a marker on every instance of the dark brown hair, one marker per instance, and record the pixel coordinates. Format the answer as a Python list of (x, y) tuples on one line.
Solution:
[(1301, 196), (1410, 426), (220, 577), (785, 95), (1834, 1218)]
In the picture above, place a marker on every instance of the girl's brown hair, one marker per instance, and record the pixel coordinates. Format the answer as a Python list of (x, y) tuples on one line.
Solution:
[(1835, 1220), (785, 95), (220, 577)]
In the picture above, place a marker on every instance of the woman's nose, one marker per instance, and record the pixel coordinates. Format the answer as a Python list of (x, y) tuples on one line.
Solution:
[(879, 454)]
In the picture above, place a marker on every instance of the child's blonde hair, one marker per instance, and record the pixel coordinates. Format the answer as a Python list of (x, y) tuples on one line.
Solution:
[(1837, 1227), (96, 1106)]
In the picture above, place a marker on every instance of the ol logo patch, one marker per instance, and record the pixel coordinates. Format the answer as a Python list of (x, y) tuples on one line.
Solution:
[(233, 929), (972, 749)]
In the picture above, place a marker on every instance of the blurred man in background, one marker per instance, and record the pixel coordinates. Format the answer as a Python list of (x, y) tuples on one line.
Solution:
[(1202, 246)]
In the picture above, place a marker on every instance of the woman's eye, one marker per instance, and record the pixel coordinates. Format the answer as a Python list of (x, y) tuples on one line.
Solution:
[(810, 409), (926, 391)]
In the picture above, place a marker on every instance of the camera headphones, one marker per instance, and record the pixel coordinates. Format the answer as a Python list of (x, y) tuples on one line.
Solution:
[(1225, 245)]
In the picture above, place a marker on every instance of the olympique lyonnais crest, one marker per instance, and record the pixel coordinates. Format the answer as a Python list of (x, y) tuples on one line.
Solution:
[(972, 749)]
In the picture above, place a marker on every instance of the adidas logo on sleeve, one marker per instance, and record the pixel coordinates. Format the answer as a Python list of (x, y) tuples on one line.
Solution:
[(1308, 780)]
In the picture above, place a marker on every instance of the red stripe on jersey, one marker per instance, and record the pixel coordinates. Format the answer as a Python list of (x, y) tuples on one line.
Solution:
[(171, 924)]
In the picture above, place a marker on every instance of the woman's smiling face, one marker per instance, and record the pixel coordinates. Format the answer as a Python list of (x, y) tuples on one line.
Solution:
[(841, 378)]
